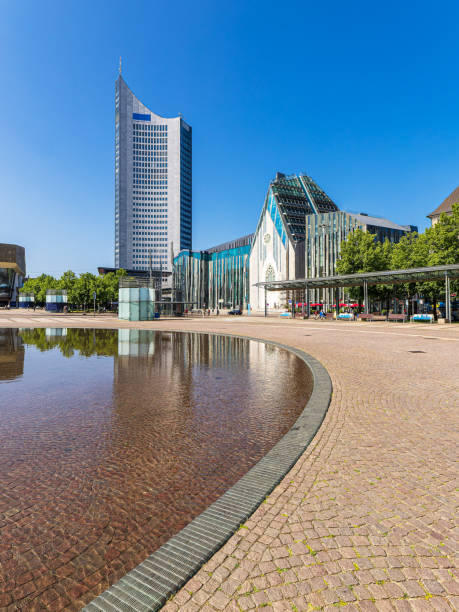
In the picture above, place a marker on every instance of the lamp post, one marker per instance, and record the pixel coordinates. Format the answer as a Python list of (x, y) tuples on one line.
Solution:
[(323, 272)]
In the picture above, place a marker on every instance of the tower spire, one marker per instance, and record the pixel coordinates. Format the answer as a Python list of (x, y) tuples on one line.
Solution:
[(119, 69)]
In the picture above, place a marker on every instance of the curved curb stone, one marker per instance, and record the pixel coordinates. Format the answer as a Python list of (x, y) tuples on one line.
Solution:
[(148, 586)]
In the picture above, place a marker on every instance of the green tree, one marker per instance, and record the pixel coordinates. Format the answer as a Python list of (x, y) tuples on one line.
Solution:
[(68, 282), (443, 239), (361, 252), (39, 286), (441, 248), (107, 287), (85, 285)]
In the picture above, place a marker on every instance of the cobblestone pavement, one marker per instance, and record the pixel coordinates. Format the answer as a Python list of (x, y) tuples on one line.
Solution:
[(367, 518)]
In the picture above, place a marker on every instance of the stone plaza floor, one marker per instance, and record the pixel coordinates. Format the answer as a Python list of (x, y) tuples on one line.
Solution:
[(367, 518)]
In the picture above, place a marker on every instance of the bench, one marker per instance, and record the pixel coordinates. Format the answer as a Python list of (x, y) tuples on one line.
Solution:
[(366, 317), (397, 317), (425, 318), (346, 316), (378, 317)]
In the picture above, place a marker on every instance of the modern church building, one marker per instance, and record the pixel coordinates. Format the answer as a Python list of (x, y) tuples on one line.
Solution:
[(153, 197), (299, 235)]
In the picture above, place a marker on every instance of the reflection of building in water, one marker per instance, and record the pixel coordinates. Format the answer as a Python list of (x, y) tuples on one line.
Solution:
[(135, 342), (182, 348), (11, 354), (212, 350), (191, 414), (155, 364), (55, 332)]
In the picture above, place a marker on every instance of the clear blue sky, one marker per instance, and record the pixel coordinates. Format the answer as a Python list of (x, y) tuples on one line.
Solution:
[(363, 96)]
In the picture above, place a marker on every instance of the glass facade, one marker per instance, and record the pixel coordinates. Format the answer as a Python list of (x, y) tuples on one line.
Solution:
[(215, 278), (299, 234), (325, 233), (153, 184), (56, 300), (7, 279), (12, 272)]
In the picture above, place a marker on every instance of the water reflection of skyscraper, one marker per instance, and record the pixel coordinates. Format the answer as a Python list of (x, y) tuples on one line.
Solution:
[(191, 348), (11, 355)]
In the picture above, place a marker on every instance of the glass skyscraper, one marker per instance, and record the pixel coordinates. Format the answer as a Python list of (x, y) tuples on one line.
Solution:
[(153, 184)]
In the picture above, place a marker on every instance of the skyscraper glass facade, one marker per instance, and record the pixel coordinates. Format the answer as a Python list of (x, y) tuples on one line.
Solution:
[(153, 184)]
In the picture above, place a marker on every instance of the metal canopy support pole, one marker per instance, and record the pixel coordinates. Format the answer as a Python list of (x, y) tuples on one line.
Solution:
[(447, 299), (266, 304), (308, 303), (365, 297), (337, 302)]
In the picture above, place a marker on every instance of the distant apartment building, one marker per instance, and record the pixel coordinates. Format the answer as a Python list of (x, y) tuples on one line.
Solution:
[(445, 207), (153, 184)]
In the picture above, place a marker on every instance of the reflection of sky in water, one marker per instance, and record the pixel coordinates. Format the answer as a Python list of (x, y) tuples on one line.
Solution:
[(134, 429)]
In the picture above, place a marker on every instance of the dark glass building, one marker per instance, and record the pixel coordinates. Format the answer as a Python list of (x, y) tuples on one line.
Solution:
[(12, 272)]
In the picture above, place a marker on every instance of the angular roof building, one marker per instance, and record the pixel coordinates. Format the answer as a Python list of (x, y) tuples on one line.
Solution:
[(445, 207), (299, 234), (289, 199), (278, 244)]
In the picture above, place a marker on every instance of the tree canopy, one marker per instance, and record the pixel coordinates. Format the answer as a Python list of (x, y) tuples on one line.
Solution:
[(438, 245), (80, 288)]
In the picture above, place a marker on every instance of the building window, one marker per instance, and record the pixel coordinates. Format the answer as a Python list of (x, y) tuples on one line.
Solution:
[(270, 274)]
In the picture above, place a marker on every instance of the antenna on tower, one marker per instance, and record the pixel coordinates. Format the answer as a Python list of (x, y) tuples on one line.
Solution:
[(120, 66)]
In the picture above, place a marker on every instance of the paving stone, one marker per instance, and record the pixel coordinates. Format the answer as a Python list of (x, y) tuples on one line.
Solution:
[(378, 476)]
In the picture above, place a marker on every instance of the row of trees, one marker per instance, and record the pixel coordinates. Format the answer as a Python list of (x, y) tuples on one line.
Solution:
[(80, 289), (438, 245)]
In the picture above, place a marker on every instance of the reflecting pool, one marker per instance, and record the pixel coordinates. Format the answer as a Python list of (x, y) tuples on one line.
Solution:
[(111, 441)]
